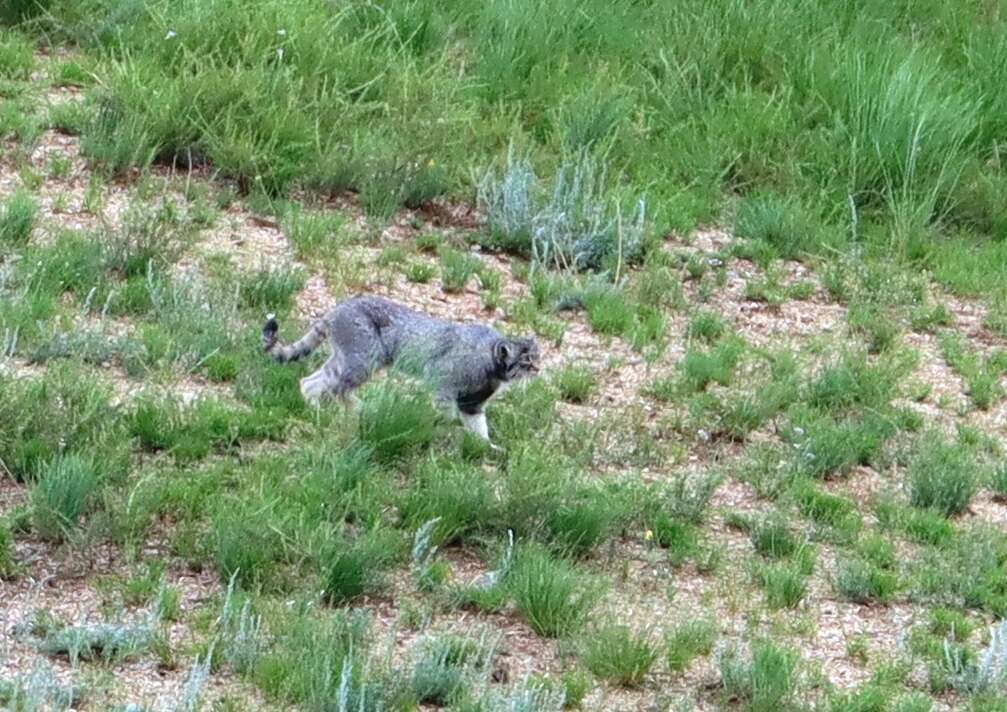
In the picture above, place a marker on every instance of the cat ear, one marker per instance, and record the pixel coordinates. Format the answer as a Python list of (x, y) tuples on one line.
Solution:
[(502, 352)]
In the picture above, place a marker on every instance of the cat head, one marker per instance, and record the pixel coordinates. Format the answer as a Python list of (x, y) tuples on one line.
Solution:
[(516, 358)]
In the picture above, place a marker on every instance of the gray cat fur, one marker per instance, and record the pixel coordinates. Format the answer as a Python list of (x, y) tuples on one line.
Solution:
[(466, 363)]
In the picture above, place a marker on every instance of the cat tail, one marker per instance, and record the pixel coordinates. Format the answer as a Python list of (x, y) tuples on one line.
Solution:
[(291, 352)]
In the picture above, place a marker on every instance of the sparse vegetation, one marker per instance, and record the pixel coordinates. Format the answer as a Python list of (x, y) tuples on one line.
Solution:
[(771, 283)]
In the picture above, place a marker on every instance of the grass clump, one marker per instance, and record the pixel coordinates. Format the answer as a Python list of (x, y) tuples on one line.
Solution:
[(271, 289), (551, 595), (773, 538), (354, 568), (457, 269), (701, 368), (442, 672), (311, 651), (397, 420), (785, 584), (707, 326), (688, 641), (942, 477), (458, 494), (17, 218), (863, 582), (62, 493), (780, 228), (764, 682), (615, 654), (575, 383)]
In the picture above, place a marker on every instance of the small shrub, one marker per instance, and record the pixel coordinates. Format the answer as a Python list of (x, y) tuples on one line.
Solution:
[(575, 383), (688, 641), (106, 641), (572, 226), (62, 494), (619, 656), (17, 218), (862, 582), (552, 596), (942, 477)]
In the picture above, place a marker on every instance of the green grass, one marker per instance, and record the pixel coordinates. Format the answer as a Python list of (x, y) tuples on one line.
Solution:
[(863, 582), (64, 491), (396, 420), (688, 641), (17, 218), (618, 655), (765, 681), (942, 476), (551, 595), (575, 383), (567, 137)]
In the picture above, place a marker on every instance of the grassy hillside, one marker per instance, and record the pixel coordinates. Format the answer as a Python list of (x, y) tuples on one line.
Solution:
[(859, 121), (761, 245)]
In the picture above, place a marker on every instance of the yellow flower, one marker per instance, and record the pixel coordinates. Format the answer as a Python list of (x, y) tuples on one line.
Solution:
[(648, 535)]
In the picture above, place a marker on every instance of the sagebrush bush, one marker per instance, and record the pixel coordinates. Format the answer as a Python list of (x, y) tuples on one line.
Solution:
[(572, 226)]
